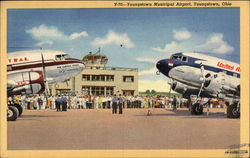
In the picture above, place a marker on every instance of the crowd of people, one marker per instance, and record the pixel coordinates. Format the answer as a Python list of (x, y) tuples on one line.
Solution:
[(64, 102)]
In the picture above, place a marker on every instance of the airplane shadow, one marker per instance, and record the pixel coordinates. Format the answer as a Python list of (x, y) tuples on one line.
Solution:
[(35, 117), (186, 114), (29, 116)]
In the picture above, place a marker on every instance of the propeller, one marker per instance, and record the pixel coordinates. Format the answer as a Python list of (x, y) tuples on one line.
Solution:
[(47, 91), (171, 85), (31, 88), (202, 79)]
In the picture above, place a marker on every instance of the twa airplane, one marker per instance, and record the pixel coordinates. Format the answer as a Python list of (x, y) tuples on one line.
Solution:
[(204, 76), (30, 72)]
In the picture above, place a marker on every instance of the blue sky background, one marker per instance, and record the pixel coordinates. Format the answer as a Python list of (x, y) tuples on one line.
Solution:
[(147, 35)]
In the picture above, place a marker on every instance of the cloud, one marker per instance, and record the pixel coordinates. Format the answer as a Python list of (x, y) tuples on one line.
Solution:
[(49, 35), (157, 85), (216, 44), (148, 60), (181, 34), (148, 71), (169, 48), (44, 32), (45, 42), (78, 35), (113, 38)]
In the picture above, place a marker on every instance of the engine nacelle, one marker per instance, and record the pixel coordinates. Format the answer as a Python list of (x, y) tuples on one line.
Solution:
[(30, 83), (221, 83), (179, 87)]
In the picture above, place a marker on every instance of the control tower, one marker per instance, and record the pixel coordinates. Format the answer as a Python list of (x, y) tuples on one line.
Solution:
[(95, 60)]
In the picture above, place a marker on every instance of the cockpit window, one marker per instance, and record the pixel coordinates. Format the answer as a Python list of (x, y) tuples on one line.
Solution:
[(62, 56), (174, 57), (184, 58), (180, 57)]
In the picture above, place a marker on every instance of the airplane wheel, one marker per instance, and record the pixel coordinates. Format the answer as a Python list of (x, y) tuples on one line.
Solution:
[(232, 111), (20, 108), (196, 109), (12, 113)]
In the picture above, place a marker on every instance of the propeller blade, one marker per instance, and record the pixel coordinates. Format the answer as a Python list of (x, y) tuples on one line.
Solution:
[(171, 84), (47, 91), (203, 79), (31, 88)]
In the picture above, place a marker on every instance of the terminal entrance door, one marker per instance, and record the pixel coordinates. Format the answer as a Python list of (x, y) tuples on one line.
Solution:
[(128, 92)]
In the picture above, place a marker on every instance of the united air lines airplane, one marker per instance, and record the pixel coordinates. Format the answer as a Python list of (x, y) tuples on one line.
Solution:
[(204, 76), (30, 72)]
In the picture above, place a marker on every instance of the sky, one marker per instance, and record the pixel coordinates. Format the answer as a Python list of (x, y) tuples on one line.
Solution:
[(146, 35)]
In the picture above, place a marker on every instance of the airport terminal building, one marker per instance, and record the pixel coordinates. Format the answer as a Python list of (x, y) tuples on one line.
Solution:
[(97, 79)]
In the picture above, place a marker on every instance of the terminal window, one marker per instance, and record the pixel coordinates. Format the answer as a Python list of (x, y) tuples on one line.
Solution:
[(86, 90), (109, 90), (110, 78), (86, 77), (128, 78), (98, 77), (95, 90)]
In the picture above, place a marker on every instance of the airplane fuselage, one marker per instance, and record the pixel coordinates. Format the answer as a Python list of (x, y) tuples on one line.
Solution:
[(57, 69), (192, 69)]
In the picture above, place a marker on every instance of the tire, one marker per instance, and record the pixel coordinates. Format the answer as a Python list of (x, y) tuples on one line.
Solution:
[(20, 108), (232, 111), (196, 109), (12, 113)]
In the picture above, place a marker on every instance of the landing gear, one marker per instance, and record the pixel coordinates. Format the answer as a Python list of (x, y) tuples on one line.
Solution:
[(196, 109), (233, 110), (12, 113), (19, 108), (14, 110)]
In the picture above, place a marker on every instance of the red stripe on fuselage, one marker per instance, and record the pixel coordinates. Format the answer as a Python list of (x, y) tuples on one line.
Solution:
[(37, 65)]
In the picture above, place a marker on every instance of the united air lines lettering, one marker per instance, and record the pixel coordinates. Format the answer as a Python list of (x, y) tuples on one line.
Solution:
[(237, 69), (15, 60), (228, 67)]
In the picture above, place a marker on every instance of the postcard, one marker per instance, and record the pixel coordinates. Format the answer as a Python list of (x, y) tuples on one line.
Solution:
[(124, 79)]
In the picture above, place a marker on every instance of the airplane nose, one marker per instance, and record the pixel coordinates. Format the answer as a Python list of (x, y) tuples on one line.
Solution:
[(163, 66), (80, 65)]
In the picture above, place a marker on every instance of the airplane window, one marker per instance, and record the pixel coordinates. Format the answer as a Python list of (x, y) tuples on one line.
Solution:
[(58, 57), (184, 58), (62, 56), (9, 67), (174, 57), (66, 56)]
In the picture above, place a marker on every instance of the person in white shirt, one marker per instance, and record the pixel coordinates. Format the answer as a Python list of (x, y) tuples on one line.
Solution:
[(97, 102), (84, 102), (79, 102), (74, 102)]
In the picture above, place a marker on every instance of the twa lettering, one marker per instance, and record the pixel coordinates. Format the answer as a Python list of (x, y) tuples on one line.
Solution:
[(15, 60), (228, 67), (22, 83)]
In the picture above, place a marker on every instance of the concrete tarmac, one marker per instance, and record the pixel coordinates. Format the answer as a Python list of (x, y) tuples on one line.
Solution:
[(79, 129)]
